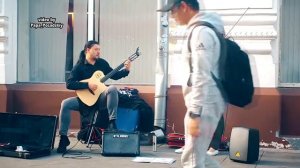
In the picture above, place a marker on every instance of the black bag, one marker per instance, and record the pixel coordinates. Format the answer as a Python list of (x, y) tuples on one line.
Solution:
[(129, 98), (83, 135), (235, 79), (87, 119), (130, 92)]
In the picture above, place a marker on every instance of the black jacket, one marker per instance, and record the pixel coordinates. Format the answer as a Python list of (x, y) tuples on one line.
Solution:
[(85, 70)]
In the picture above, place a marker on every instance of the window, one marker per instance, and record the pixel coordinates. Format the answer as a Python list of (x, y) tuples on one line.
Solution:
[(42, 37), (289, 69), (48, 54)]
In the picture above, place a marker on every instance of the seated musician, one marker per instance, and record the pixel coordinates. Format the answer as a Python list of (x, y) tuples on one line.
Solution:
[(89, 62)]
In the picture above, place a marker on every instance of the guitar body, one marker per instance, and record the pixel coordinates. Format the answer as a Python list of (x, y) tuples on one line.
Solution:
[(85, 95)]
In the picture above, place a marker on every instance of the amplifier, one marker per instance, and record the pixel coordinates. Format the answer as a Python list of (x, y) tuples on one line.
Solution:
[(244, 144), (116, 143)]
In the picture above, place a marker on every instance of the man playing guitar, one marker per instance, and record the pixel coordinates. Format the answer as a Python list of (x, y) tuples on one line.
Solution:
[(88, 64)]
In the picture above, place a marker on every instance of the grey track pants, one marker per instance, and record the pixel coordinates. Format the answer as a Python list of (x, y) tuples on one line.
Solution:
[(194, 153)]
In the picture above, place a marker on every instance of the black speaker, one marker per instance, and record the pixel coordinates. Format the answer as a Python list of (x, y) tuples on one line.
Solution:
[(244, 144), (116, 143)]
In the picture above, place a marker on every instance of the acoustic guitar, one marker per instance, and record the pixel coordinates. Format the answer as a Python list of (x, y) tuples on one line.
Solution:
[(90, 97)]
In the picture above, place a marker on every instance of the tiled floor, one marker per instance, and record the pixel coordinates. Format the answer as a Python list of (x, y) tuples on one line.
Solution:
[(92, 158)]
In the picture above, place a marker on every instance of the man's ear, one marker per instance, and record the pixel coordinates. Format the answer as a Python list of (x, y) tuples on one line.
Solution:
[(87, 50)]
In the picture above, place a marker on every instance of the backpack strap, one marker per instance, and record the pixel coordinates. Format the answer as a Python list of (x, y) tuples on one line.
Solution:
[(223, 49), (196, 24), (200, 23), (223, 52)]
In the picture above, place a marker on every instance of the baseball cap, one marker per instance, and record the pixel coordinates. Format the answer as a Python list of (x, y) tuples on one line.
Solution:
[(169, 5)]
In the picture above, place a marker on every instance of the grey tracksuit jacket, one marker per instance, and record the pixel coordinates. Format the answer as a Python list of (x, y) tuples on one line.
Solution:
[(201, 94)]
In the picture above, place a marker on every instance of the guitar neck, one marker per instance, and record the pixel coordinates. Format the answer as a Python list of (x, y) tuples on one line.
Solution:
[(131, 58), (106, 77)]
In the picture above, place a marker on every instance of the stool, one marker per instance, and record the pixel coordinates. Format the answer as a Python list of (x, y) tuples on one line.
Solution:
[(93, 129)]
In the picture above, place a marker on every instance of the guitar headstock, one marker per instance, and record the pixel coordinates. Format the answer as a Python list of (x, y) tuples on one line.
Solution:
[(135, 55), (137, 52)]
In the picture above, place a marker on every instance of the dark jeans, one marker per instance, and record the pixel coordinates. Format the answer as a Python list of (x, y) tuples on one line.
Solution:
[(109, 99), (215, 142)]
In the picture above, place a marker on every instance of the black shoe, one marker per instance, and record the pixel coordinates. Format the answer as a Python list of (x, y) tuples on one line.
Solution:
[(63, 143), (112, 125)]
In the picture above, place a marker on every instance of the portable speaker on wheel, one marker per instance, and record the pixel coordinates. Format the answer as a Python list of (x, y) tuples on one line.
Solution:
[(118, 143), (244, 145)]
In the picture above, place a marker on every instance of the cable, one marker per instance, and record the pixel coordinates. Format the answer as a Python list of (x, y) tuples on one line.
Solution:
[(75, 155), (237, 22)]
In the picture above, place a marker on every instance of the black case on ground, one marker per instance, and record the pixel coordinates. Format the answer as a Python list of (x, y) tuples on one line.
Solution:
[(116, 143), (35, 134)]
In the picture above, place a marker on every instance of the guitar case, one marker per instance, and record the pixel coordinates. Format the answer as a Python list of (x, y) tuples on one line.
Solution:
[(26, 136)]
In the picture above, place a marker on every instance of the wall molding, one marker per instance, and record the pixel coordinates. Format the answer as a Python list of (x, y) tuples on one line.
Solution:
[(1, 7), (255, 32), (3, 39)]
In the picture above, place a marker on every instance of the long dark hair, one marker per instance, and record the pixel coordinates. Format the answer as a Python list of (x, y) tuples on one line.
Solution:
[(87, 45)]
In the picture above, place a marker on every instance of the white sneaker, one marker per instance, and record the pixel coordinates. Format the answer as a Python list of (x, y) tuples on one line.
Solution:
[(212, 153), (179, 151)]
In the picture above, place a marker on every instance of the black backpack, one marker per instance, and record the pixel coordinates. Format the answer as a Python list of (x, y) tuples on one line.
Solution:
[(235, 80), (129, 98)]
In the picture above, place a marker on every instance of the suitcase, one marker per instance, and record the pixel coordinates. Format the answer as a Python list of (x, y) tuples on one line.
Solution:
[(118, 143), (26, 136), (244, 145), (127, 119)]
